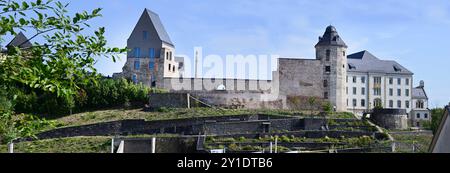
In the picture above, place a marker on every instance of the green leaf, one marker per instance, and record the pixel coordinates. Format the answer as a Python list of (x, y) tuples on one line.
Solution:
[(25, 5)]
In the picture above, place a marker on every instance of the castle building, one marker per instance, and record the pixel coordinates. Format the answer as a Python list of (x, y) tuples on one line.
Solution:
[(420, 112), (356, 83), (151, 56)]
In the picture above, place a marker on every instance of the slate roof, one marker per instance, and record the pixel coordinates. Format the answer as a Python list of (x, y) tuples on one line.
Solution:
[(364, 61), (20, 40), (419, 93), (331, 38), (162, 33), (445, 120)]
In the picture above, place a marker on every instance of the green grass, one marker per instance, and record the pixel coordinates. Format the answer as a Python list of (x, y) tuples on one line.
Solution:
[(171, 113), (63, 145), (406, 141)]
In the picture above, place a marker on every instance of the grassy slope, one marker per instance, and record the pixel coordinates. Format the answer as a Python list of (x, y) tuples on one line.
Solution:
[(64, 145), (165, 114), (102, 144), (422, 141)]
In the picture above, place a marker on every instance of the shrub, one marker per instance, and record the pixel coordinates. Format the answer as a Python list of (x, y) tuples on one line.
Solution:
[(233, 147), (327, 107)]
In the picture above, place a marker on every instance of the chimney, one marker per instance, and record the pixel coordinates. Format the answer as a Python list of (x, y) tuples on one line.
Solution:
[(422, 84)]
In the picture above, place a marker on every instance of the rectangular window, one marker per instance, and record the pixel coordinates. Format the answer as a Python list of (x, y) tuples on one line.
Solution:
[(354, 79), (391, 81), (399, 104), (363, 103), (399, 81), (325, 95), (134, 78), (399, 92), (391, 103), (137, 65), (137, 52), (354, 103), (407, 104), (170, 67), (151, 53), (354, 90), (377, 91), (151, 65), (325, 83), (407, 92), (328, 69), (377, 80), (346, 79), (407, 81), (328, 54), (145, 35), (363, 79), (418, 116), (346, 90), (363, 91), (391, 92)]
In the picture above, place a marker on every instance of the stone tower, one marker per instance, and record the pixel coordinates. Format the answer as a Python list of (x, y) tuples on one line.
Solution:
[(151, 56), (331, 51)]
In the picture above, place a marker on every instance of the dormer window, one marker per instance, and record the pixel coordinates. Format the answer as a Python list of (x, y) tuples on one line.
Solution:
[(397, 68), (351, 66)]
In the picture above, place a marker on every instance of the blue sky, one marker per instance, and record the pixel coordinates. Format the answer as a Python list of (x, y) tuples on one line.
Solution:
[(414, 33)]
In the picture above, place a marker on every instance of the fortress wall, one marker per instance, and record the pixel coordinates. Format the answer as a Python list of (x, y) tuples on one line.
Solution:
[(300, 77), (208, 84)]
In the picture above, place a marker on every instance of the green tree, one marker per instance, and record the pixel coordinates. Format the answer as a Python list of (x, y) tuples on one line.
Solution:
[(312, 102), (436, 118), (59, 65)]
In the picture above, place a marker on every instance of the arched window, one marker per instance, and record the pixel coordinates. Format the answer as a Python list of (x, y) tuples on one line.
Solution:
[(221, 87), (419, 104)]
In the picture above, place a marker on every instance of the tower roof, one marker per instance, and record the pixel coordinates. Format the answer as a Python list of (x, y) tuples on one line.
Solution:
[(162, 33), (331, 38), (20, 41)]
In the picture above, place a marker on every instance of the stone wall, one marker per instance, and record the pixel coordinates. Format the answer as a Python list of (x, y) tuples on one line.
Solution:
[(300, 77), (163, 145), (212, 84), (224, 125), (390, 118), (172, 100)]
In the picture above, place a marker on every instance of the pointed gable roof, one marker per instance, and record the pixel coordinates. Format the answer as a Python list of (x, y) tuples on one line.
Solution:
[(20, 41), (440, 142), (159, 27), (364, 61), (419, 93)]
